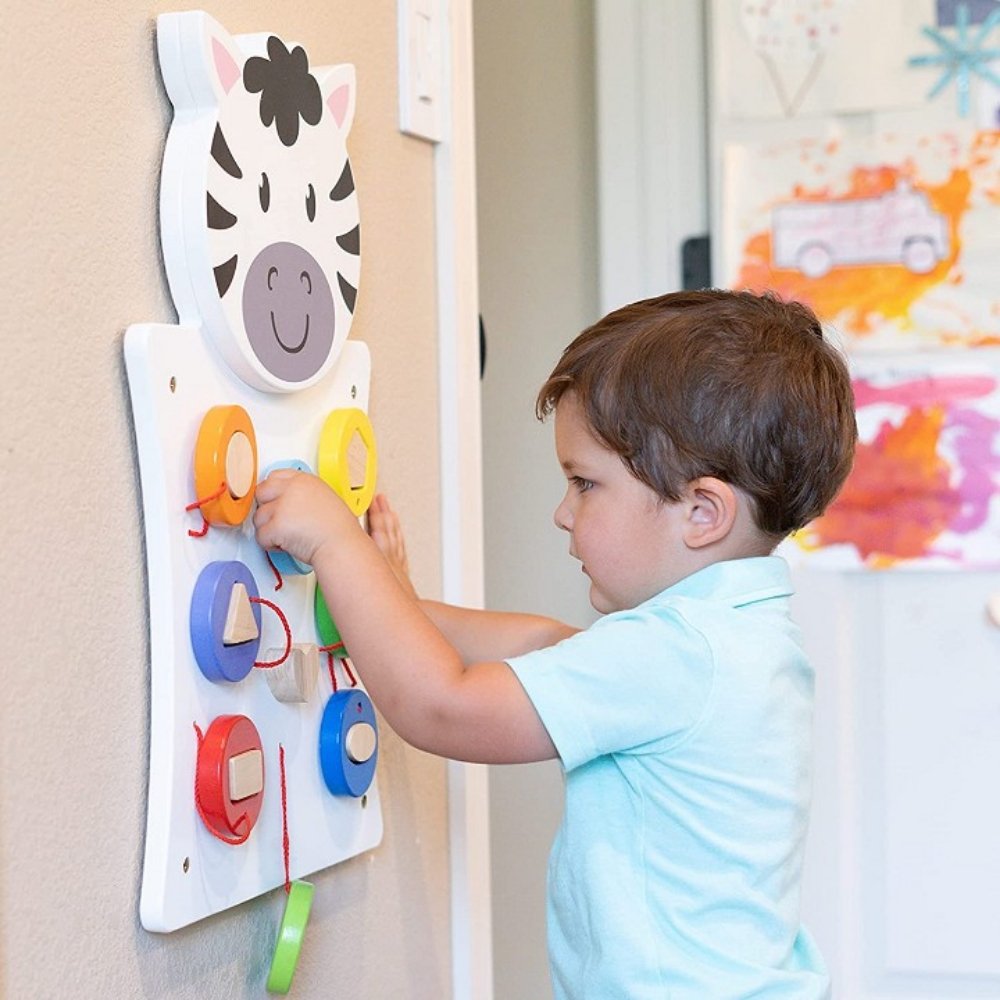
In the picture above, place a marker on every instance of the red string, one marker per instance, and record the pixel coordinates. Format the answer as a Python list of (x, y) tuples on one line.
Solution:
[(201, 503), (347, 667), (266, 665), (275, 570), (284, 818), (331, 652), (201, 812)]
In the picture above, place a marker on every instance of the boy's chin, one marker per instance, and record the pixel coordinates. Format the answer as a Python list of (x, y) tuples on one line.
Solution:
[(601, 603)]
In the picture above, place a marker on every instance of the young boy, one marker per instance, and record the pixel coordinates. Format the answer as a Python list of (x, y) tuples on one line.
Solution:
[(695, 430)]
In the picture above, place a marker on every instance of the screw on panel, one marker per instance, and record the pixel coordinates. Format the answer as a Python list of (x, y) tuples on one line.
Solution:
[(173, 384), (364, 801), (354, 392), (186, 865)]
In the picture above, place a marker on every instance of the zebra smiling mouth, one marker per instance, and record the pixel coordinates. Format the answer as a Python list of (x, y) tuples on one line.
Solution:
[(277, 336)]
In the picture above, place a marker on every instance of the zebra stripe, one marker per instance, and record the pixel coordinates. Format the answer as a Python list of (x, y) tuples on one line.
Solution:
[(351, 241), (345, 185), (224, 274), (349, 292), (218, 217), (223, 155)]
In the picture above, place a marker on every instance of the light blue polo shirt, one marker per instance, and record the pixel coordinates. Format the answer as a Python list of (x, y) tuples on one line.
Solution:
[(684, 728)]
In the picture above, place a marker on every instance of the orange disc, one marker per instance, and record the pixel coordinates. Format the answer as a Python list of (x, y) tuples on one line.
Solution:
[(225, 454)]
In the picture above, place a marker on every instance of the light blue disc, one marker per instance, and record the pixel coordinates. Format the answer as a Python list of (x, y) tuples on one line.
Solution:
[(285, 564)]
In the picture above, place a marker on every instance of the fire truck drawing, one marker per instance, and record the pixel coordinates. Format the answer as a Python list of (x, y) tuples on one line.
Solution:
[(898, 227)]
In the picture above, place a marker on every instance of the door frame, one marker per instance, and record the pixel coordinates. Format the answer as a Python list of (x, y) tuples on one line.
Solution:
[(462, 480), (652, 137)]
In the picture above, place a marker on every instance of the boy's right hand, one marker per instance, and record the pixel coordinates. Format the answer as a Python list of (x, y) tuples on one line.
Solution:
[(300, 514), (387, 534)]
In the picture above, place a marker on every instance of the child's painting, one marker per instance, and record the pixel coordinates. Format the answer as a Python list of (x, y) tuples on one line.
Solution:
[(893, 239), (925, 489), (785, 59)]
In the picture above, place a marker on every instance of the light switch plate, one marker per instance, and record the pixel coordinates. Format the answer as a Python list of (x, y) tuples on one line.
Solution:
[(421, 68)]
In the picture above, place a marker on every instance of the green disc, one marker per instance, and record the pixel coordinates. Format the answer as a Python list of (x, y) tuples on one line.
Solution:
[(290, 934), (326, 627)]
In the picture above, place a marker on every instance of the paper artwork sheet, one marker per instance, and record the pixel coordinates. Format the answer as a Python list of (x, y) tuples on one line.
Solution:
[(924, 490), (785, 58), (893, 238)]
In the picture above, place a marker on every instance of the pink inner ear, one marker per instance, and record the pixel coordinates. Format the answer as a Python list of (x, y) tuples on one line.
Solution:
[(337, 103), (225, 65)]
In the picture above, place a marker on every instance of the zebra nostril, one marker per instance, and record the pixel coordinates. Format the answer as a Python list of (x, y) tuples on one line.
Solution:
[(272, 272), (307, 281)]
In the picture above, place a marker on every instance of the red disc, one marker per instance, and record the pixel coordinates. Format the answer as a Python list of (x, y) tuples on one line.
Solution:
[(227, 737)]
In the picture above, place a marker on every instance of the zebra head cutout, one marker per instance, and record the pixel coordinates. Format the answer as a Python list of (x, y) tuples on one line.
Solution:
[(258, 210)]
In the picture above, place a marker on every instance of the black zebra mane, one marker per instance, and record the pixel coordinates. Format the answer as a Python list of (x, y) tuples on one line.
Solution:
[(288, 91)]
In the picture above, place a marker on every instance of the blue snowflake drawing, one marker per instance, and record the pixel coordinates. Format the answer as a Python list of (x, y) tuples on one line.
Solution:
[(961, 56)]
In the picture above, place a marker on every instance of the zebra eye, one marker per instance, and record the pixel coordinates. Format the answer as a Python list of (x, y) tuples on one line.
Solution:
[(265, 192), (311, 203)]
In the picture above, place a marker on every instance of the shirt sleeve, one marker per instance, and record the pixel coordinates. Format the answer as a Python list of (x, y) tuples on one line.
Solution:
[(634, 681)]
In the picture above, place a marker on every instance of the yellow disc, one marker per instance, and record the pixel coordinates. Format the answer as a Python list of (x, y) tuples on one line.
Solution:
[(347, 459)]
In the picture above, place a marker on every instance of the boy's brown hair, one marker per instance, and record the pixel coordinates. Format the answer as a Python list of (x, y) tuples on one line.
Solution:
[(734, 385)]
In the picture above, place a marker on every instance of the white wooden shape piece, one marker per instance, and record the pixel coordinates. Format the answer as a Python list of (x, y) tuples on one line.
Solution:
[(357, 461), (295, 679), (241, 626), (360, 742), (246, 775), (239, 465)]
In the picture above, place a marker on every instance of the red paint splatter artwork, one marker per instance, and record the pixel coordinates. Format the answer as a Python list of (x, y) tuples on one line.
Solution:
[(923, 490)]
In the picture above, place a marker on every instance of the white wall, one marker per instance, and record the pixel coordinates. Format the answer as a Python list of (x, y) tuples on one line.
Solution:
[(538, 288)]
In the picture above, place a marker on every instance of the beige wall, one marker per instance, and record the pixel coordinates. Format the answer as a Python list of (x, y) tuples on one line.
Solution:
[(535, 150), (84, 122)]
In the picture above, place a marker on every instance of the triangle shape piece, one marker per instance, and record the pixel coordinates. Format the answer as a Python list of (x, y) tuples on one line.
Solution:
[(241, 625)]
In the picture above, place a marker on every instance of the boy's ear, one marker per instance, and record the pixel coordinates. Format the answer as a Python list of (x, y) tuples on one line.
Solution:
[(712, 508)]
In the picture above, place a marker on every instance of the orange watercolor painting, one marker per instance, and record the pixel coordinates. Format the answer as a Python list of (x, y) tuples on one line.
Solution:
[(854, 297), (849, 204)]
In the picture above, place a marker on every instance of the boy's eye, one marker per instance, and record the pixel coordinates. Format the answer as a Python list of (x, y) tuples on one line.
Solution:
[(581, 485)]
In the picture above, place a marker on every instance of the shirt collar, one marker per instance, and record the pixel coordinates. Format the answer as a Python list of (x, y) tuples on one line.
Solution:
[(736, 582)]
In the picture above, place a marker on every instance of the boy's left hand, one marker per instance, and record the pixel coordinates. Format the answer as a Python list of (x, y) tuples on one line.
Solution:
[(298, 513)]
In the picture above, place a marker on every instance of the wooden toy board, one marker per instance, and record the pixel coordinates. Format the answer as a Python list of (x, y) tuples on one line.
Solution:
[(174, 379)]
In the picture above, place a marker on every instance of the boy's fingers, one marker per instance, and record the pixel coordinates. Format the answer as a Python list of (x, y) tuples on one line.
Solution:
[(274, 485), (261, 516)]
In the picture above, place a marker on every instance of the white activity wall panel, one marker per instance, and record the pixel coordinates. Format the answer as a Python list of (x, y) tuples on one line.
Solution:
[(188, 873)]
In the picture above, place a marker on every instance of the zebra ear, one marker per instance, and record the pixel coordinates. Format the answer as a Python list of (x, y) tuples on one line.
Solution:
[(338, 87), (200, 61)]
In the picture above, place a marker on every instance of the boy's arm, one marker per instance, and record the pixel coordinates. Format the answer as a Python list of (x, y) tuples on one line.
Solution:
[(414, 675), (477, 635), (494, 635)]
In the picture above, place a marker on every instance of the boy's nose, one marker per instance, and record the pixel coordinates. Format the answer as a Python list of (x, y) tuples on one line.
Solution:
[(562, 517)]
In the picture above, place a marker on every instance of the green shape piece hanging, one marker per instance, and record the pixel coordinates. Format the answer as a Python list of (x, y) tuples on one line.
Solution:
[(290, 935)]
